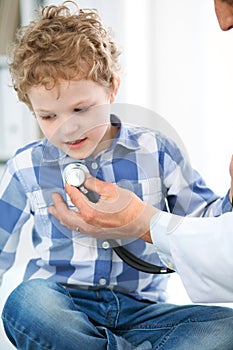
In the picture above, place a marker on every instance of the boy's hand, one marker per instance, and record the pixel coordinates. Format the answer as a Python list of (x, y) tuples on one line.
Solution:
[(119, 213)]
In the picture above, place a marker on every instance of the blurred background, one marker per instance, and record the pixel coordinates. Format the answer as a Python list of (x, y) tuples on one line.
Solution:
[(176, 62)]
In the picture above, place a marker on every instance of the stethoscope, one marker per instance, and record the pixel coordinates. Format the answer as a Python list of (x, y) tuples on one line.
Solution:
[(74, 174)]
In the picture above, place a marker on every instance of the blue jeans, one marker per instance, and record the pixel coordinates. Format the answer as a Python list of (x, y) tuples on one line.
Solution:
[(41, 314)]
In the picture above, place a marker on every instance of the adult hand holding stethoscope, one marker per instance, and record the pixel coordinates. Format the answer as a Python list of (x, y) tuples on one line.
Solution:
[(127, 216)]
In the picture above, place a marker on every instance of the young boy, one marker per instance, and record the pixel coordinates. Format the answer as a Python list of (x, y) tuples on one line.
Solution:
[(79, 294)]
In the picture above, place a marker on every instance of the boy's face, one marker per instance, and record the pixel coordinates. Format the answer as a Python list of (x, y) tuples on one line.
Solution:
[(74, 116)]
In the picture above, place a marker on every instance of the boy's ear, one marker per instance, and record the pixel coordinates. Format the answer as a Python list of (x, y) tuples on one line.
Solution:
[(115, 87)]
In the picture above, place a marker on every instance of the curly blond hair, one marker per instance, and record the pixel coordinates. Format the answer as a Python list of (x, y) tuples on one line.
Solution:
[(63, 45)]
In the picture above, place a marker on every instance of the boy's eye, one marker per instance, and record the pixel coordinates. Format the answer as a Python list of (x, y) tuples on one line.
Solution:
[(77, 110), (80, 110), (47, 117)]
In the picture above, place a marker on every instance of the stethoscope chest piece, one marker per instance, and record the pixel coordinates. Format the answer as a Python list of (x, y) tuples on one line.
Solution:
[(75, 174)]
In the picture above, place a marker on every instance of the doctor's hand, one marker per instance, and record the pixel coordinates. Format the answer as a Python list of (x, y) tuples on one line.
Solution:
[(118, 214)]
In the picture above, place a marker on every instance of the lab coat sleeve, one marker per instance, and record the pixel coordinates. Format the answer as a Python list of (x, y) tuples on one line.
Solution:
[(200, 250)]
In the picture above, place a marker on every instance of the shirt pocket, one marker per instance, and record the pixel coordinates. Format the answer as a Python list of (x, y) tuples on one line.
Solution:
[(40, 202)]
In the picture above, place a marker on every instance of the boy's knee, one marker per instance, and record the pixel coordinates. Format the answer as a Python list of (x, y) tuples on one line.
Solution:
[(28, 298)]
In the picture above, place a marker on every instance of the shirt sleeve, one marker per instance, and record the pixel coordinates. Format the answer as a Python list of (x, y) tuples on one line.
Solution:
[(200, 250), (14, 213), (186, 192), (159, 228)]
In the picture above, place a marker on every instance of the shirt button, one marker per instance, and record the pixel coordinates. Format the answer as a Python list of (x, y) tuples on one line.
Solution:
[(94, 165), (102, 281), (105, 245)]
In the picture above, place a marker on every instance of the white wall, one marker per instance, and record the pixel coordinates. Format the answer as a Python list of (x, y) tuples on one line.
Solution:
[(18, 126), (179, 64)]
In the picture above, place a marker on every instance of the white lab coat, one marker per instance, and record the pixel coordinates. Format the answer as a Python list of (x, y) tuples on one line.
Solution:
[(200, 250)]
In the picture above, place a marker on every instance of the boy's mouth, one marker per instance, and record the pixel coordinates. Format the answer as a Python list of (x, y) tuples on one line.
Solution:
[(75, 143)]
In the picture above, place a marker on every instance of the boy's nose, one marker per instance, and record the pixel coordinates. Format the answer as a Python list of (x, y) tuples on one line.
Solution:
[(69, 125)]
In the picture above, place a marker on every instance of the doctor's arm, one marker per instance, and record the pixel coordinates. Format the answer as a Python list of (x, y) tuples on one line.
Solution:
[(118, 211)]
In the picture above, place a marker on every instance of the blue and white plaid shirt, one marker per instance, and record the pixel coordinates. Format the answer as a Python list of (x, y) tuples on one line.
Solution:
[(139, 159)]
